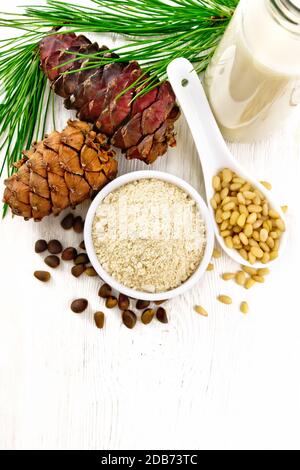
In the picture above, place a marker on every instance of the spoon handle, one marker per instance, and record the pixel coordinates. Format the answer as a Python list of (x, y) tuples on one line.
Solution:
[(211, 146), (208, 139)]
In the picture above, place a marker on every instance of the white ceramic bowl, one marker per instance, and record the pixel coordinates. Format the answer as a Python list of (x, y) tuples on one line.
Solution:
[(134, 176)]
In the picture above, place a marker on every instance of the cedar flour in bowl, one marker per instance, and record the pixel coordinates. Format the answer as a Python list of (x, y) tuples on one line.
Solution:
[(150, 235)]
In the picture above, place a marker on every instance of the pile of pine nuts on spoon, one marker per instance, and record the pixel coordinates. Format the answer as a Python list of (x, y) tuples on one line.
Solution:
[(246, 221), (246, 277)]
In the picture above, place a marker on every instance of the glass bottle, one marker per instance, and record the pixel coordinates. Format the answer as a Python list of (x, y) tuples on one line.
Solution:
[(253, 80)]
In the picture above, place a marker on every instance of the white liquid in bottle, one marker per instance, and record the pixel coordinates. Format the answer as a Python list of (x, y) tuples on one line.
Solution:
[(253, 80)]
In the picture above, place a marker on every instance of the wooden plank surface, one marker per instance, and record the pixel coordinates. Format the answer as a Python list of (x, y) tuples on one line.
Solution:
[(226, 381)]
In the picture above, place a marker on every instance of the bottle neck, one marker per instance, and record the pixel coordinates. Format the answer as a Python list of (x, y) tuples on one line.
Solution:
[(269, 36), (286, 13)]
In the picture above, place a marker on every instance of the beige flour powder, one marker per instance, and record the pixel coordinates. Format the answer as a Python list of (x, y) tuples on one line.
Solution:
[(149, 235)]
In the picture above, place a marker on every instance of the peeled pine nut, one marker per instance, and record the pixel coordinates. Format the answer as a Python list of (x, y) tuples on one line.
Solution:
[(228, 276), (266, 185), (235, 186), (251, 258), (258, 279), (273, 214), (266, 258), (251, 271), (236, 240), (218, 198), (273, 255), (265, 210), (258, 193), (228, 241), (274, 235), (237, 179), (227, 175), (257, 252), (240, 278), (252, 218), (225, 200), (216, 183), (244, 254), (224, 225), (284, 209), (217, 253), (210, 267), (263, 235), (241, 198), (244, 308), (241, 220), (224, 193), (244, 239), (226, 215), (249, 194), (254, 208), (225, 299), (201, 311), (263, 272), (234, 217), (246, 187), (213, 203), (248, 230), (225, 233), (218, 216), (269, 224), (257, 224), (257, 200), (243, 209), (249, 283), (229, 206), (264, 247), (280, 224)]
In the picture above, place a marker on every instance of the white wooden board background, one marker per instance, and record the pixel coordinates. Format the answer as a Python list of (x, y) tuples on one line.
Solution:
[(229, 381)]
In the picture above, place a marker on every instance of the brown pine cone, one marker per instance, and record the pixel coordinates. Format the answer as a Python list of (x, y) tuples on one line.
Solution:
[(60, 171), (143, 128)]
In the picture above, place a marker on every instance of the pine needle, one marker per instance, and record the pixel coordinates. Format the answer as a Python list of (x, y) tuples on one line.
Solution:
[(22, 87), (157, 31)]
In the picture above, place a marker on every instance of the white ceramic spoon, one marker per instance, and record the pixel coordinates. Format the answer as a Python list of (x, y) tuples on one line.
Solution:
[(212, 149)]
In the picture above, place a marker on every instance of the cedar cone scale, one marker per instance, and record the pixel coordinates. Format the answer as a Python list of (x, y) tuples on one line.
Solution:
[(142, 127), (60, 171)]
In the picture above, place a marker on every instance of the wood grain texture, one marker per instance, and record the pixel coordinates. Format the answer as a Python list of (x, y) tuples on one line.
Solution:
[(227, 381)]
